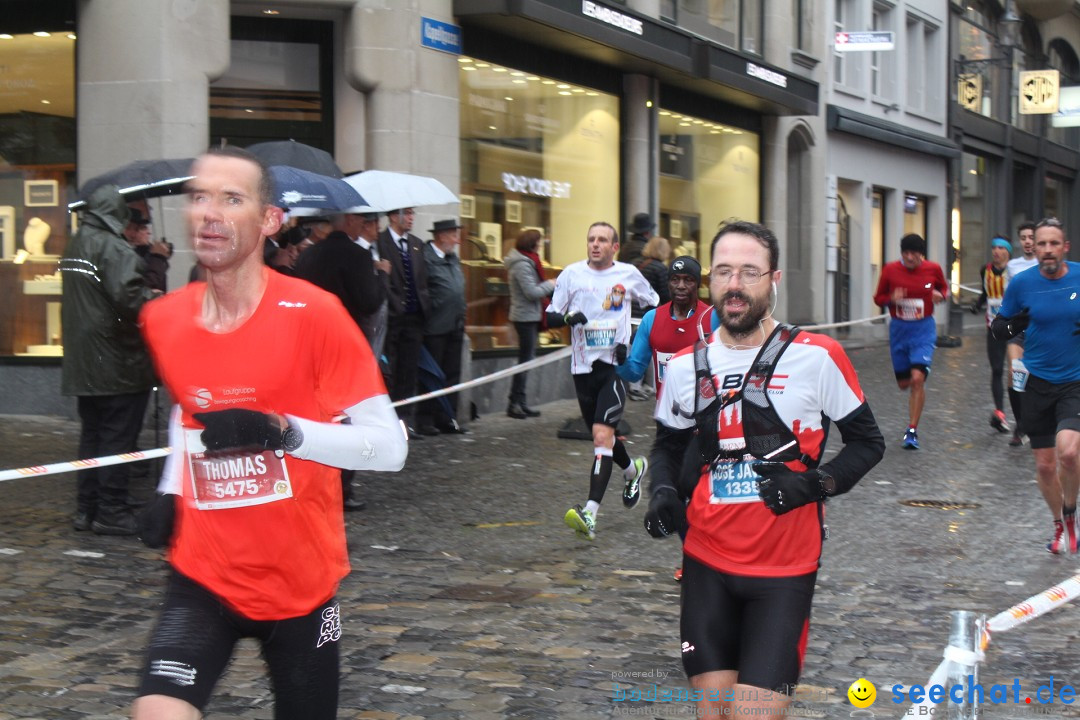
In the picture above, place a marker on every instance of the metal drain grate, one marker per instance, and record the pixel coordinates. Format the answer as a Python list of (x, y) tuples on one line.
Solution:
[(940, 504)]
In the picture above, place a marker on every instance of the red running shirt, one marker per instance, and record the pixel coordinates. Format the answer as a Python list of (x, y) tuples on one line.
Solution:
[(300, 353), (919, 285)]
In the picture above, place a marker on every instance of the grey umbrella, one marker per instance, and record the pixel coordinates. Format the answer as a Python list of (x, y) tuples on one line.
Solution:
[(297, 155), (142, 178)]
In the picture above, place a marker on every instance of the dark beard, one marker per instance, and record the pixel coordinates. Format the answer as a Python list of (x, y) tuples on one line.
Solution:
[(749, 321)]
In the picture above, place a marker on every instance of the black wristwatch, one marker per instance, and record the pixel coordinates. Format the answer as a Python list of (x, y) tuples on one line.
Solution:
[(827, 483), (291, 439)]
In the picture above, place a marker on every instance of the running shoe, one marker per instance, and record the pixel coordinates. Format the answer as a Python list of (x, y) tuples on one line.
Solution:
[(911, 439), (632, 474), (998, 422), (1017, 439), (1057, 545), (581, 521), (678, 574), (1069, 521)]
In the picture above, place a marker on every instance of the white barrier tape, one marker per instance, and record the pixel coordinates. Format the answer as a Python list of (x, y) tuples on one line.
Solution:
[(38, 470), (962, 656), (826, 326), (977, 291), (497, 375), (62, 467), (1018, 614)]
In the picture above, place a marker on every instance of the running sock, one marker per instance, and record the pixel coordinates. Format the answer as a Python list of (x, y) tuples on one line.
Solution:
[(601, 473), (1067, 511), (593, 507), (619, 454), (1014, 403)]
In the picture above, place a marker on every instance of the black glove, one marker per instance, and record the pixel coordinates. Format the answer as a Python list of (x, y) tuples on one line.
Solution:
[(974, 308), (577, 318), (620, 353), (784, 490), (1004, 328), (156, 521), (666, 513), (231, 429)]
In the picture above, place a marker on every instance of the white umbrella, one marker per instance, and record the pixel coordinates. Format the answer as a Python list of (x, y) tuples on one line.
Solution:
[(386, 191)]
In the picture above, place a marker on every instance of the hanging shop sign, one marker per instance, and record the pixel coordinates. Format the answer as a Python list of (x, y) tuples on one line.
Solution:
[(969, 91), (1039, 92)]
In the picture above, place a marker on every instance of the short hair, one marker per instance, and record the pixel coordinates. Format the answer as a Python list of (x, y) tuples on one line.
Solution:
[(527, 240), (657, 248), (1025, 226), (266, 182), (762, 234), (1050, 222), (614, 232)]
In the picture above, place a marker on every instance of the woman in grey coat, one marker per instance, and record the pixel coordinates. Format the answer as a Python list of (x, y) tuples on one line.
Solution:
[(527, 288)]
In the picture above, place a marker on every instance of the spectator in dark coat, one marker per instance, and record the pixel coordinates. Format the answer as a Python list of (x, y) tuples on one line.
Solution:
[(653, 265), (639, 232)]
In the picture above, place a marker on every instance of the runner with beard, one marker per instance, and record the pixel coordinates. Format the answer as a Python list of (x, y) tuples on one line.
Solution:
[(754, 529)]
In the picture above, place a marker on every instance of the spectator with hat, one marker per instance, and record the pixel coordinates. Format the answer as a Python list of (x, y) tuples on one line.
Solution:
[(910, 287), (640, 231), (444, 326)]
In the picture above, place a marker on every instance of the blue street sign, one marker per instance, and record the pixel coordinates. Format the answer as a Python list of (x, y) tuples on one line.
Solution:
[(438, 35)]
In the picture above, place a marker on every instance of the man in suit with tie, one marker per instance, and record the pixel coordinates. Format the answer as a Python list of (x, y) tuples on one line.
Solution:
[(409, 304)]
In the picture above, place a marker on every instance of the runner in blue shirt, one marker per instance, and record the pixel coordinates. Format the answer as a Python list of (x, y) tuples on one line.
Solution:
[(1047, 304)]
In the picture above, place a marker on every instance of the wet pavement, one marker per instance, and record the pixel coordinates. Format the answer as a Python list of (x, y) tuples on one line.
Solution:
[(469, 598)]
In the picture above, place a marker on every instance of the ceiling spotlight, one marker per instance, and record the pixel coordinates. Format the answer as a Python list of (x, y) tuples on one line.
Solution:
[(271, 12), (563, 86), (42, 33), (464, 60), (5, 36), (519, 81), (499, 69), (46, 102), (565, 92), (469, 67), (71, 36)]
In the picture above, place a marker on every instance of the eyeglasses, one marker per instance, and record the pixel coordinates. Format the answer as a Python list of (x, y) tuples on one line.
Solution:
[(747, 276), (1049, 222)]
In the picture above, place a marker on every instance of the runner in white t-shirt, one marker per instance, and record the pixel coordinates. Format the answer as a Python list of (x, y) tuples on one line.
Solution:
[(593, 297)]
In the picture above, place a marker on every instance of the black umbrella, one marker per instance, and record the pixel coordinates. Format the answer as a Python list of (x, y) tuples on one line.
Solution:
[(297, 155), (143, 178)]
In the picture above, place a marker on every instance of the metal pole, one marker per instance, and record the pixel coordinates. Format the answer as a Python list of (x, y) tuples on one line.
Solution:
[(964, 634)]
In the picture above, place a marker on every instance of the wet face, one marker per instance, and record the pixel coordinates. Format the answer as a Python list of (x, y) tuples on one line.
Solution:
[(226, 217), (1027, 241), (911, 258), (601, 247), (740, 282), (683, 289), (1051, 247)]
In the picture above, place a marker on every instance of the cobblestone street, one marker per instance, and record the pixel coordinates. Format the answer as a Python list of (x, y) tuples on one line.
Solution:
[(469, 598)]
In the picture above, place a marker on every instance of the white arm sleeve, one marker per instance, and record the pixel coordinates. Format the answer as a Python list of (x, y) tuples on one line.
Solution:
[(375, 439), (172, 474)]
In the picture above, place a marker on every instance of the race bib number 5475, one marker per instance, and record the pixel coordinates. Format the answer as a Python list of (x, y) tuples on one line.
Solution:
[(244, 478)]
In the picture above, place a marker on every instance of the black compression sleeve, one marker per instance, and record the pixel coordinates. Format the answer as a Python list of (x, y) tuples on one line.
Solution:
[(863, 448), (555, 320), (666, 457)]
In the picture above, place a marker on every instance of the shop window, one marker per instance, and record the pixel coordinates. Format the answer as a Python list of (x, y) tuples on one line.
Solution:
[(915, 217), (37, 180), (709, 172), (976, 224), (1062, 58), (536, 152), (1056, 200), (279, 84)]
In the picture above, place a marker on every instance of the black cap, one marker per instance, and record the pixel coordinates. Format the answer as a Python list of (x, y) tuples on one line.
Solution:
[(913, 242), (137, 218), (642, 223), (686, 265), (444, 225)]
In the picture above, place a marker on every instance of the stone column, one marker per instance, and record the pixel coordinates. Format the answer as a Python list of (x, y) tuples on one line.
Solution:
[(640, 171)]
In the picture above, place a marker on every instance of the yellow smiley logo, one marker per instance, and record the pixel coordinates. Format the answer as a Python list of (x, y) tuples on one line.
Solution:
[(862, 693)]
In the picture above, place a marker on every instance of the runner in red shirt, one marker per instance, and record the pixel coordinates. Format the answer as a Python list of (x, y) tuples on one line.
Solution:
[(755, 528), (910, 287), (259, 364)]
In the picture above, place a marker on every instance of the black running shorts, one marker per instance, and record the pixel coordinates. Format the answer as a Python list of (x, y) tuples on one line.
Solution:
[(1048, 408), (194, 639), (601, 395), (754, 625)]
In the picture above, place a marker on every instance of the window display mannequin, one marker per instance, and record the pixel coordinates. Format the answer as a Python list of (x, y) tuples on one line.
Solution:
[(34, 237)]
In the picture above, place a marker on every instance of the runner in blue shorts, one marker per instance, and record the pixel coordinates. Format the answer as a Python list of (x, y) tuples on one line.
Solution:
[(910, 287)]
